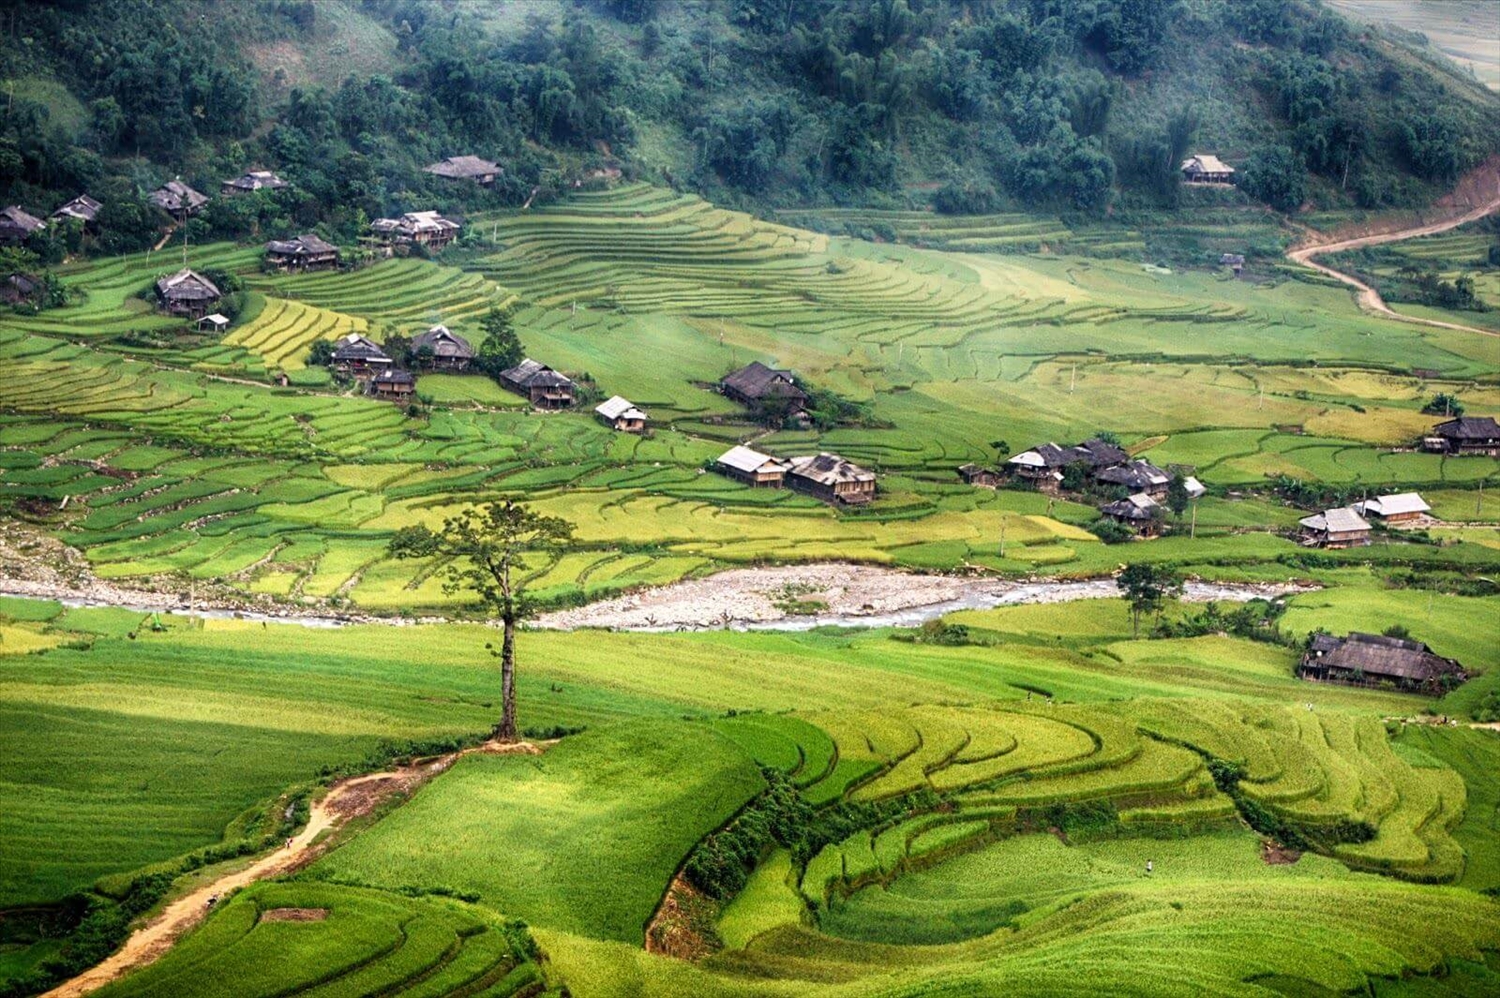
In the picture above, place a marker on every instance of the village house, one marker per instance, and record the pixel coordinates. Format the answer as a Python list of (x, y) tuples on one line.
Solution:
[(359, 357), (1335, 528), (1042, 465), (1137, 476), (1140, 512), (393, 385), (979, 476), (442, 350), (416, 228), (756, 385), (1207, 170), (177, 199), (1403, 507), (305, 252), (19, 287), (1375, 660), (18, 225), (543, 386), (755, 469), (480, 171), (1234, 261), (1465, 435), (255, 180), (619, 414), (187, 293), (1195, 489), (832, 479), (215, 323), (83, 208)]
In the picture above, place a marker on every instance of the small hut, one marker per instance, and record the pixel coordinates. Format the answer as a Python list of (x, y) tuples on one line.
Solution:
[(305, 252), (832, 479), (471, 168), (619, 414), (755, 384), (1335, 528), (1402, 507), (187, 293), (359, 357), (980, 476), (442, 349), (755, 469), (1207, 169), (393, 384), (18, 225), (83, 208), (215, 323), (1140, 512), (1234, 261), (543, 386), (1376, 660), (178, 199), (19, 287), (249, 183)]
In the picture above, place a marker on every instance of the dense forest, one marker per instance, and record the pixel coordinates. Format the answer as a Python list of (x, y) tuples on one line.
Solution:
[(966, 105)]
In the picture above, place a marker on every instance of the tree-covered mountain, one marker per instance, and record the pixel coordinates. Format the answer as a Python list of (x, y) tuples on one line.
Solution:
[(971, 105)]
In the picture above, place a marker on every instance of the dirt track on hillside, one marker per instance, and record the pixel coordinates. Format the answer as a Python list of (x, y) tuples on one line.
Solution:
[(346, 799)]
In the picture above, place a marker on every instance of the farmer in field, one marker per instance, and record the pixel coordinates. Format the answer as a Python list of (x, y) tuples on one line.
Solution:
[(1149, 868)]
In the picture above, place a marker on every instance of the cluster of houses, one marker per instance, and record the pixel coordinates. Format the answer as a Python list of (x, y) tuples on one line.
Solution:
[(358, 358), (1350, 526), (825, 476)]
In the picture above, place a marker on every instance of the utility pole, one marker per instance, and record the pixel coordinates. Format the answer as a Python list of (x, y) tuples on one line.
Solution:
[(1003, 519), (1073, 378), (1193, 526)]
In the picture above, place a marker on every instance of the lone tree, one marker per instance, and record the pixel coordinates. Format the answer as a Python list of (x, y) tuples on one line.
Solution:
[(1177, 495), (1146, 588), (483, 544), (501, 349)]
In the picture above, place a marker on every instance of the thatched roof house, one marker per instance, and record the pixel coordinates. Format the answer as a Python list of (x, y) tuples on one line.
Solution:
[(1372, 659), (1335, 528), (546, 388), (19, 287), (442, 349), (978, 475), (1139, 511), (756, 384), (304, 252), (1207, 169), (1465, 435), (359, 355), (831, 478), (1137, 476), (621, 414), (18, 225), (188, 293), (255, 180), (176, 198), (83, 207), (750, 466), (421, 228), (480, 171)]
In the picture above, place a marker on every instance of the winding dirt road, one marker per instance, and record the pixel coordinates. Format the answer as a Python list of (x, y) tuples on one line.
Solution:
[(1369, 299), (345, 800)]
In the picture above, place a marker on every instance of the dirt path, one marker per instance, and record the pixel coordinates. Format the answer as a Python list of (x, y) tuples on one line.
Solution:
[(347, 799), (1369, 299)]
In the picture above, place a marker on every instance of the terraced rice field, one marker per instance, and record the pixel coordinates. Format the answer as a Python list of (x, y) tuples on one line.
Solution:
[(284, 331)]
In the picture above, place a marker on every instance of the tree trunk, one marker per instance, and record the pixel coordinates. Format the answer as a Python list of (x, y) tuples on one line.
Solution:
[(506, 731)]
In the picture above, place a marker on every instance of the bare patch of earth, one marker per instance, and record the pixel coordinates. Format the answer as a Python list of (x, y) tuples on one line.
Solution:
[(294, 915)]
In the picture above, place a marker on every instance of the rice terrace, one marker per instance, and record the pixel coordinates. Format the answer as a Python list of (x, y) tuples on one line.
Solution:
[(866, 499)]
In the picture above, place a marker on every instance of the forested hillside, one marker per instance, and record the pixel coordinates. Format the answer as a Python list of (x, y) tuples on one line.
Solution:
[(968, 105)]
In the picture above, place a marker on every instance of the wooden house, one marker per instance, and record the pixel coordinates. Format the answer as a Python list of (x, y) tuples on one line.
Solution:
[(416, 228), (1139, 512), (619, 414), (359, 357), (1042, 465), (305, 252), (178, 199), (255, 180), (757, 470), (543, 386), (1195, 488), (1376, 660), (187, 293), (1234, 261), (19, 287), (215, 323), (393, 385), (442, 350), (18, 225), (1140, 477), (980, 476), (1207, 170), (1335, 528), (1465, 435), (831, 478), (470, 168), (83, 208), (757, 385), (1402, 507)]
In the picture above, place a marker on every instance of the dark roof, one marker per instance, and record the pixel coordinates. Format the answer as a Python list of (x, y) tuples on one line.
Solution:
[(303, 245), (175, 196), (16, 217), (1323, 643), (1469, 428), (530, 374), (187, 285), (757, 381), (1137, 475), (24, 283), (443, 343), (1376, 655), (829, 469), (394, 376), (1137, 507), (82, 206), (1093, 452), (463, 168), (357, 347)]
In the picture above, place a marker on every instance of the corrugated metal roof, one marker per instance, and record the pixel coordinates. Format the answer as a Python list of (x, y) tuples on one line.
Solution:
[(742, 458), (618, 407), (1401, 502)]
